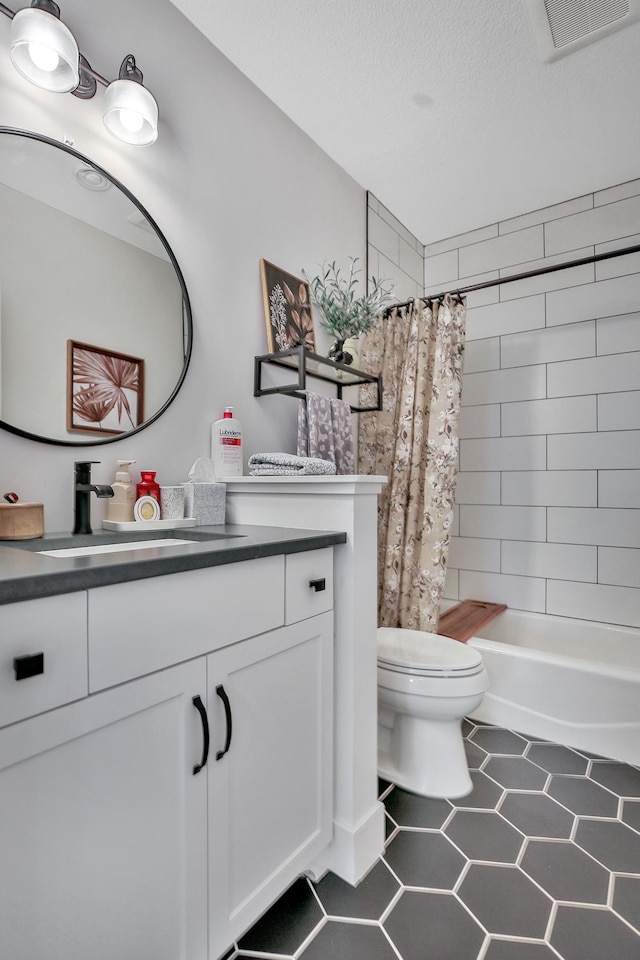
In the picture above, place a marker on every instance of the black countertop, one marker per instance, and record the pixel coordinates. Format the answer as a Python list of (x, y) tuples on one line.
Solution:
[(25, 574)]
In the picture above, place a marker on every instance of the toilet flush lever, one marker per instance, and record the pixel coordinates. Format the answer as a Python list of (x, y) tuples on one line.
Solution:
[(318, 585)]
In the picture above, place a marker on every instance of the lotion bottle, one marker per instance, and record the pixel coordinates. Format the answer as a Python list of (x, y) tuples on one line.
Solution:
[(226, 446), (120, 506)]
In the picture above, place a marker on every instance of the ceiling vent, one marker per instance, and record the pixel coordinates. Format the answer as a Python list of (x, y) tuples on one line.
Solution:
[(562, 26)]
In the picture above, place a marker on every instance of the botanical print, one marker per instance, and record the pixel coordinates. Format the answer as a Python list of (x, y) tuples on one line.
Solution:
[(287, 307), (105, 390), (413, 441)]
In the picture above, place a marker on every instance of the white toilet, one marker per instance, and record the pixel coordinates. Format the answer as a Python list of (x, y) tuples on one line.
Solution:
[(426, 685)]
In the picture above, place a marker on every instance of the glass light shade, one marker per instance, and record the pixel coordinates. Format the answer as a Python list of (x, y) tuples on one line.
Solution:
[(44, 51), (130, 112)]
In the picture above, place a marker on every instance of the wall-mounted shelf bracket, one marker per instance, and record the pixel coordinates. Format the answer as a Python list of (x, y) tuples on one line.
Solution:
[(308, 364)]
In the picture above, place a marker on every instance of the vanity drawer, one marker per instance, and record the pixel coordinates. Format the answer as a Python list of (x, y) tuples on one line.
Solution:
[(309, 584), (43, 655), (138, 627)]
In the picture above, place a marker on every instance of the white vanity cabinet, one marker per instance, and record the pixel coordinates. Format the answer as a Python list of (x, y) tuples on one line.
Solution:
[(270, 769), (113, 843), (102, 825)]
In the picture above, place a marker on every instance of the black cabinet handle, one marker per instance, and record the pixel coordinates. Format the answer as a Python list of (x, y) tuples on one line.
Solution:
[(222, 693), (31, 665), (319, 584), (199, 705)]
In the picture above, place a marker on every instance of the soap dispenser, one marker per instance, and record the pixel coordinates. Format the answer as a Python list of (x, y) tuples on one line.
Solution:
[(120, 507)]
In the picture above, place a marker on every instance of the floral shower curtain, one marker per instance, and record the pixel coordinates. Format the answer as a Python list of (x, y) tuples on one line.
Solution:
[(413, 441)]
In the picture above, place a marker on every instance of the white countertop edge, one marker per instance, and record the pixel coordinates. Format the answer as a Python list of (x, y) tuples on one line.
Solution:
[(344, 483)]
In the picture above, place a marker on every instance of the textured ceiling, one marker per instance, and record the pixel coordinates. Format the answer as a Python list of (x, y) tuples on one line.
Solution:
[(442, 108)]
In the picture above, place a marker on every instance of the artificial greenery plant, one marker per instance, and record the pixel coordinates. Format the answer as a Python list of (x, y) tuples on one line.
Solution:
[(344, 314)]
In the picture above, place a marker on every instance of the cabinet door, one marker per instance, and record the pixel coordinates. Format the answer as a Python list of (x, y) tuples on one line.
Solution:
[(270, 793), (103, 826)]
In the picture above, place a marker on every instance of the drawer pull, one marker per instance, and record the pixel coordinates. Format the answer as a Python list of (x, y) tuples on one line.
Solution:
[(222, 693), (31, 665), (199, 705), (318, 585)]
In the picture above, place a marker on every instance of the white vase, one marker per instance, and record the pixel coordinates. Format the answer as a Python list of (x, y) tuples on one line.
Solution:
[(346, 351), (352, 347)]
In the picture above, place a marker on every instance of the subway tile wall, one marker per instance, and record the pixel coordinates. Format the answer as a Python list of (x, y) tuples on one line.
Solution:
[(548, 497), (393, 252)]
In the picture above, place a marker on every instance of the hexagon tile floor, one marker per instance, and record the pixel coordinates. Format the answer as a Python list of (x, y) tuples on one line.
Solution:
[(540, 862)]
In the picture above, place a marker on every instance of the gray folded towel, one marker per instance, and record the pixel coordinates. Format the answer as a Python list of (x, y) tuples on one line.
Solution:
[(288, 465)]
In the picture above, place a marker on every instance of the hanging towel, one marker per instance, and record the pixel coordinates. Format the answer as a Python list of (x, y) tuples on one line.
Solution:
[(288, 465), (324, 430)]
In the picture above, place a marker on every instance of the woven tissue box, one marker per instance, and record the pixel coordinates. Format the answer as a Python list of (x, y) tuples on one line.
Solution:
[(21, 521), (205, 502)]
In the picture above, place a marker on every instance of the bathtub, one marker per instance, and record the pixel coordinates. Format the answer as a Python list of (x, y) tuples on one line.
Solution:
[(571, 681)]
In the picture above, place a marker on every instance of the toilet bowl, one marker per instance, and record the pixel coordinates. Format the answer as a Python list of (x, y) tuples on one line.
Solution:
[(426, 685)]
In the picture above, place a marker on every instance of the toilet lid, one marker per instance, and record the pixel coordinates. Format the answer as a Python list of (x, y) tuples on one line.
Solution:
[(426, 653)]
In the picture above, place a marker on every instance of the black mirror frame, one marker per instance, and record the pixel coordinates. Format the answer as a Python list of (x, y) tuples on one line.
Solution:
[(187, 316)]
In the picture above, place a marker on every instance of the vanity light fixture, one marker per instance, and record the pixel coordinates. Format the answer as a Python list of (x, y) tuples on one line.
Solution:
[(130, 111), (44, 51)]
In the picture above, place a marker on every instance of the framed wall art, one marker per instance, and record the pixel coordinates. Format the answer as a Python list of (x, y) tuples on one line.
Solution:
[(287, 309), (105, 390)]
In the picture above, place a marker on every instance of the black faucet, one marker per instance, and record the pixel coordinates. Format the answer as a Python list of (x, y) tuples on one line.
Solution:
[(82, 489)]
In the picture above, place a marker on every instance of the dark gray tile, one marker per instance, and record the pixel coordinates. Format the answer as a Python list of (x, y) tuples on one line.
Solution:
[(516, 773), (467, 727), (367, 901), (565, 871), (389, 827), (557, 759), (582, 796), (631, 813), (626, 899), (537, 815), (582, 934), (619, 777), (286, 925), (517, 950), (430, 925), (505, 901), (497, 740), (614, 844), (485, 794), (475, 755), (344, 941), (410, 810), (383, 785), (484, 835), (424, 860)]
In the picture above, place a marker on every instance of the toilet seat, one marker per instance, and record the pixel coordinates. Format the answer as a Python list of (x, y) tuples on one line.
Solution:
[(426, 655)]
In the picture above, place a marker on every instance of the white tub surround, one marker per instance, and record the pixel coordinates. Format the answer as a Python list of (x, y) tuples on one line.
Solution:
[(571, 681), (548, 489), (346, 503)]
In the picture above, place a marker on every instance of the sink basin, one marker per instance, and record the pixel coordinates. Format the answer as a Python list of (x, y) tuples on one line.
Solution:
[(69, 552)]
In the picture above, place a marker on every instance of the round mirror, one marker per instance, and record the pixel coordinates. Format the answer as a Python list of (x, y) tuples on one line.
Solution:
[(95, 321)]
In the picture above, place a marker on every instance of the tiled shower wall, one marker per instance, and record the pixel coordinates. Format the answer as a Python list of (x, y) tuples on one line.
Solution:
[(548, 497), (393, 252)]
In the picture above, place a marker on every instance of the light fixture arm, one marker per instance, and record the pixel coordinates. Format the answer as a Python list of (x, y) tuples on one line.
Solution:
[(48, 6), (129, 70)]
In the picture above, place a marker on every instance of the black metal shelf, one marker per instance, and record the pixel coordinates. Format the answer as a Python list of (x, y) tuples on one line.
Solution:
[(308, 364)]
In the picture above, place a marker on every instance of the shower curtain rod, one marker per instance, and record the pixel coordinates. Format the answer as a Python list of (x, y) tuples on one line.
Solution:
[(460, 291)]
